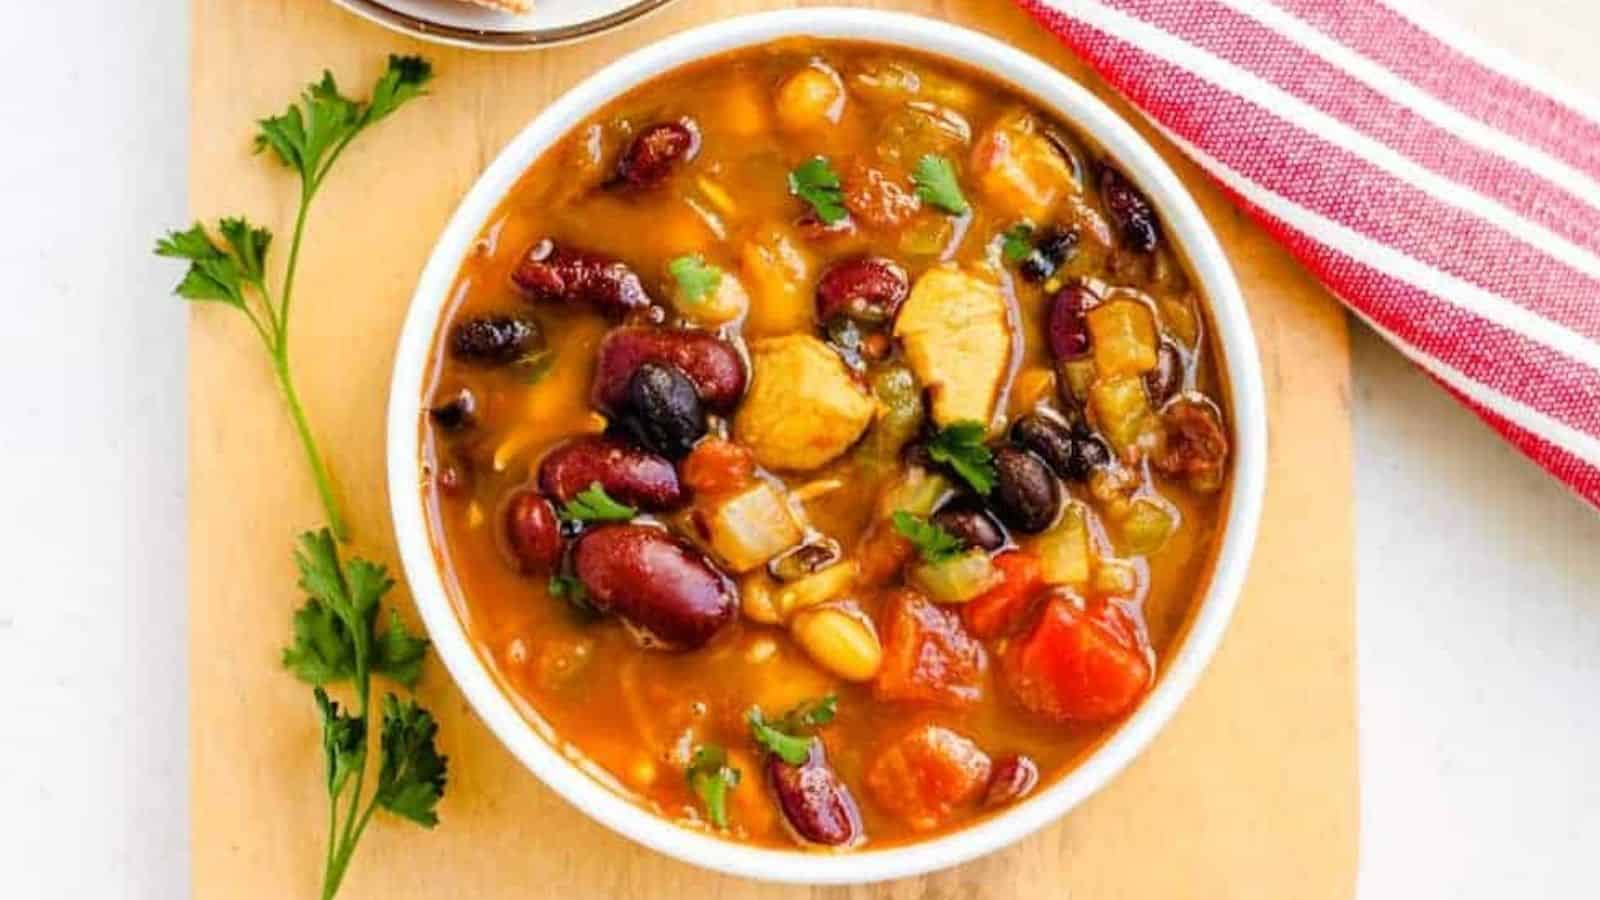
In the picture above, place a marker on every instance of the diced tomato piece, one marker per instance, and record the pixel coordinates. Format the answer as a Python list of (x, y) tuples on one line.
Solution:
[(927, 655), (998, 610), (1076, 664), (716, 466), (926, 773)]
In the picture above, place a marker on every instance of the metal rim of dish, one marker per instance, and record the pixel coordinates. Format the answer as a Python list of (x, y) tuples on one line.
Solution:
[(490, 39)]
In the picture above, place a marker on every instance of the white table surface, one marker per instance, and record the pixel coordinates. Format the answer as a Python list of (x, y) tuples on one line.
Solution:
[(1479, 579)]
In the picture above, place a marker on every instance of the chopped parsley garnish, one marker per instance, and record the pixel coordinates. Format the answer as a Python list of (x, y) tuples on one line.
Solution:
[(711, 778), (570, 589), (933, 543), (790, 737), (935, 178), (696, 278), (1017, 242), (593, 504), (815, 182), (960, 446)]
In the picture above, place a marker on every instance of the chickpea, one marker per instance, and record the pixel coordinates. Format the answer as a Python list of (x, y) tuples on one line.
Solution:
[(810, 98)]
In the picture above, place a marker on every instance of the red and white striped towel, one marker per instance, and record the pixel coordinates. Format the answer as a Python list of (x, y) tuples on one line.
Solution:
[(1448, 195)]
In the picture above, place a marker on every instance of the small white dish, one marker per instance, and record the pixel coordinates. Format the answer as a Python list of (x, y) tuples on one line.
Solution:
[(462, 24), (1182, 222)]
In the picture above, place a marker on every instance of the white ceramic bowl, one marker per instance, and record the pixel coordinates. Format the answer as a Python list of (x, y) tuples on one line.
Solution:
[(1182, 222)]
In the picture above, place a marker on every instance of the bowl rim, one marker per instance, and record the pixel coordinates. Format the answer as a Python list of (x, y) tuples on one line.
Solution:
[(1182, 220)]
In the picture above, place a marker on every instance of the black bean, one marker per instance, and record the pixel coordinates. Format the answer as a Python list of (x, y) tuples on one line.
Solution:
[(1071, 451), (1089, 452), (971, 525), (494, 340), (457, 413), (805, 560), (1026, 495), (1051, 249), (664, 413)]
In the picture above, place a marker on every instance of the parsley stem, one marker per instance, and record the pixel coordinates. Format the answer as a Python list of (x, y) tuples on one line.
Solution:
[(319, 471), (306, 193)]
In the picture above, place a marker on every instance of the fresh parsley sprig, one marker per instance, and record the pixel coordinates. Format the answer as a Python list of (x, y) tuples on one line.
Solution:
[(815, 182), (960, 446), (337, 639), (308, 137), (937, 185), (593, 504), (1016, 242), (711, 778), (933, 543)]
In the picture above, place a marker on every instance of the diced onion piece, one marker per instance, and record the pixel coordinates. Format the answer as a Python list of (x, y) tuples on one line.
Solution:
[(1122, 410), (1147, 526), (1116, 577), (746, 529), (917, 492), (1063, 551), (1124, 336), (957, 579)]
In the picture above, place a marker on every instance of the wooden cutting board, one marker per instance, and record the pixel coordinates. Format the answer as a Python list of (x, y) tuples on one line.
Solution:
[(1250, 793)]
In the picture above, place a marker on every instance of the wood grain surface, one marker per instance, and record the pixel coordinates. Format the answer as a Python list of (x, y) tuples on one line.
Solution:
[(1249, 793)]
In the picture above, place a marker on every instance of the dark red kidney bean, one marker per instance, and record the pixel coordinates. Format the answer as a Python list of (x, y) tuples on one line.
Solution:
[(1130, 212), (711, 363), (815, 803), (1068, 329), (657, 584), (664, 411), (454, 478), (654, 152), (971, 525), (494, 340), (533, 533), (1026, 495), (869, 289), (1013, 778), (457, 413), (628, 474), (1164, 381), (552, 274)]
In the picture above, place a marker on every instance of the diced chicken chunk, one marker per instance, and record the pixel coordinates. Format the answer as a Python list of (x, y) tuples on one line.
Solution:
[(804, 408), (958, 342)]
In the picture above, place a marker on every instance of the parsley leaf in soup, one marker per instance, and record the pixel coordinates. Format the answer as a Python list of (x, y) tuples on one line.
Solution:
[(1017, 242), (935, 178), (792, 749), (570, 589), (593, 504), (711, 778), (790, 738), (696, 278), (810, 713), (815, 182), (933, 543), (960, 446)]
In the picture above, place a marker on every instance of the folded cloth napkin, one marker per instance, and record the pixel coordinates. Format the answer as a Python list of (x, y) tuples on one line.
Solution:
[(1447, 194)]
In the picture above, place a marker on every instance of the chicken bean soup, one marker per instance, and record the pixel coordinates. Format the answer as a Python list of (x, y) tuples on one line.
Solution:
[(826, 443)]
